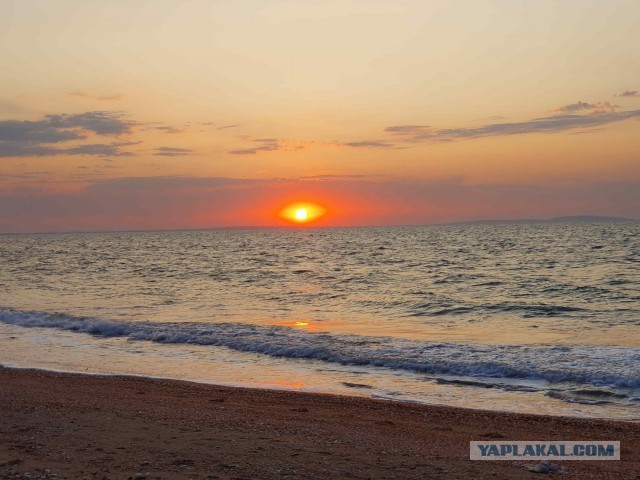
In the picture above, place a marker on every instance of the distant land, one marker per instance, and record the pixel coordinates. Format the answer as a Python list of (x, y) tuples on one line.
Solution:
[(569, 219)]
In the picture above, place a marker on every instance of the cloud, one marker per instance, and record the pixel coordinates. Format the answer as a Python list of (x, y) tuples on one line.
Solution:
[(244, 151), (552, 124), (369, 144), (42, 137), (227, 126), (573, 107), (35, 132), (172, 152), (100, 122), (275, 144), (575, 116), (170, 130), (98, 149), (266, 145), (272, 145), (16, 149), (330, 176), (628, 93), (599, 107), (104, 98), (406, 129)]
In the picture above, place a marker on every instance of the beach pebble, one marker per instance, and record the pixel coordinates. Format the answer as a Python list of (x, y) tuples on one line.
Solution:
[(539, 468), (553, 467), (544, 467)]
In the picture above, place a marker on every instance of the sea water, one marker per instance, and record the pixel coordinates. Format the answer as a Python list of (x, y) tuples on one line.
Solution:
[(538, 318)]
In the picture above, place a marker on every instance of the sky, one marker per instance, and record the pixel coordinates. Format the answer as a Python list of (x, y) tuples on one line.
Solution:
[(162, 114)]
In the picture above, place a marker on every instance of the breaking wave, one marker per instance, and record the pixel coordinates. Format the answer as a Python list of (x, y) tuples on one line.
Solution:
[(599, 366)]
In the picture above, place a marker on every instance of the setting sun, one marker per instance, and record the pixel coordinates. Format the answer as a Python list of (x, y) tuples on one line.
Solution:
[(302, 212)]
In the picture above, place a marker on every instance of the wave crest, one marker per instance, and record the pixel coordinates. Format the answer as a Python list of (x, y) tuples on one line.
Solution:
[(600, 366)]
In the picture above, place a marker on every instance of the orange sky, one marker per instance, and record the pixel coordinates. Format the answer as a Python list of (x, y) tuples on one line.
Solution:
[(168, 114)]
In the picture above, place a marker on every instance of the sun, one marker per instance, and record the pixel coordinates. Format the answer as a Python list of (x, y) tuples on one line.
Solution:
[(302, 212)]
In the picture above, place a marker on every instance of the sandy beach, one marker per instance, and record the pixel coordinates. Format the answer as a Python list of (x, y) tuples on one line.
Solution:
[(56, 425)]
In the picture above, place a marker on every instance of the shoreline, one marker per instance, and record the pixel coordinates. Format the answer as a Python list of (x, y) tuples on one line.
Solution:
[(43, 348), (77, 425), (275, 388)]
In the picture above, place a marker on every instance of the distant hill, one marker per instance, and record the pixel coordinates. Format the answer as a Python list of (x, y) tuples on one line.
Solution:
[(569, 219), (590, 219)]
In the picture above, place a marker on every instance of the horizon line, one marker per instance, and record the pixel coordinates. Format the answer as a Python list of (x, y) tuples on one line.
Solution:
[(568, 218)]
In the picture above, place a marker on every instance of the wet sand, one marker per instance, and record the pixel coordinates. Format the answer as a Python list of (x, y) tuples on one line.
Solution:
[(56, 425)]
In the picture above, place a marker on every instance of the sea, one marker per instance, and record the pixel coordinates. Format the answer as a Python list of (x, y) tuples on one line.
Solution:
[(535, 318)]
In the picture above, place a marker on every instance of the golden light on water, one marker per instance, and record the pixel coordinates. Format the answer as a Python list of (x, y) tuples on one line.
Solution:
[(302, 212)]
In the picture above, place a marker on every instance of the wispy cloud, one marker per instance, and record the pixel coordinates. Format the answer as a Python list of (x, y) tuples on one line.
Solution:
[(628, 93), (551, 124), (396, 130), (11, 149), (369, 144), (274, 144), (102, 98), (98, 149), (599, 107), (170, 129), (407, 129), (224, 127), (172, 152), (579, 117), (264, 145), (332, 176)]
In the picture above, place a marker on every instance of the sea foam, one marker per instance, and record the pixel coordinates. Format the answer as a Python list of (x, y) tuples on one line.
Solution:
[(601, 366)]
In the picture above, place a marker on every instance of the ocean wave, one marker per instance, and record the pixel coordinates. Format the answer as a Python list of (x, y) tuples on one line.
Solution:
[(589, 365), (488, 384), (593, 396), (524, 310)]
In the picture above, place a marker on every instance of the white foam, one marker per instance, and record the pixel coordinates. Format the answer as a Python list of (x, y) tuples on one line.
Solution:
[(599, 366)]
